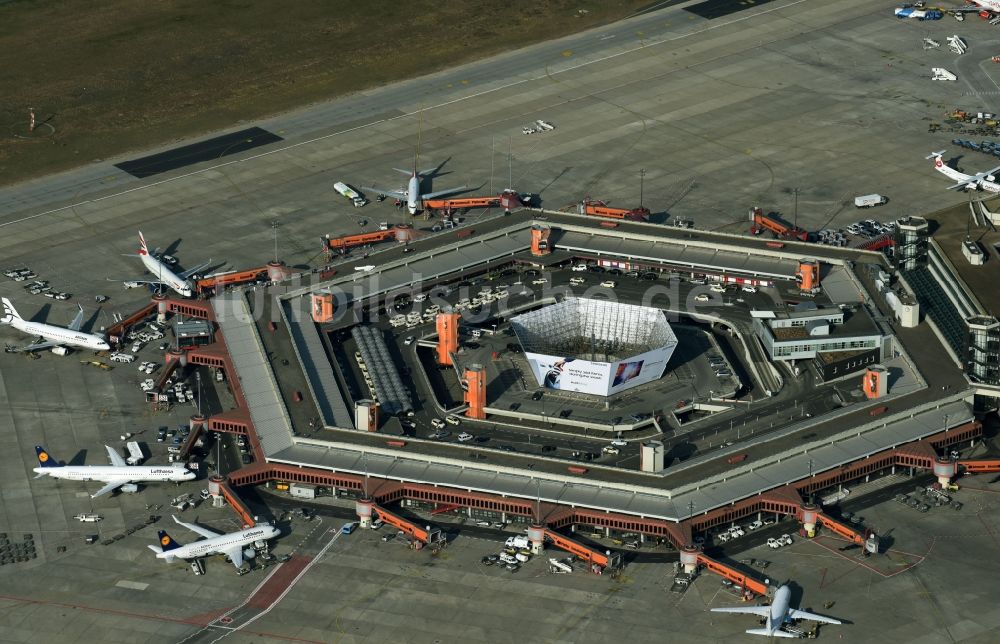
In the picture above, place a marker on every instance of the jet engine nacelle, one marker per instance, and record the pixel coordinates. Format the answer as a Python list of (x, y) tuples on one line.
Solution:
[(990, 178), (249, 553), (60, 351)]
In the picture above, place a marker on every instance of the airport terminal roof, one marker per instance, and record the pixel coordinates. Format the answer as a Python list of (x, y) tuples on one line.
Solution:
[(647, 500), (270, 419)]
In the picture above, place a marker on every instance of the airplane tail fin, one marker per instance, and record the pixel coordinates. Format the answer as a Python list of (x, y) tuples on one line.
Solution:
[(143, 250), (9, 312), (167, 542), (44, 458)]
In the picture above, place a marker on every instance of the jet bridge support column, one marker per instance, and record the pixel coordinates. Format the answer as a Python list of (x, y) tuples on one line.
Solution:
[(945, 470), (364, 509), (809, 515), (536, 535), (161, 307), (689, 558)]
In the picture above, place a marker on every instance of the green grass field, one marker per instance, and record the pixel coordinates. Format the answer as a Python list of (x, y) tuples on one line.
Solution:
[(109, 77)]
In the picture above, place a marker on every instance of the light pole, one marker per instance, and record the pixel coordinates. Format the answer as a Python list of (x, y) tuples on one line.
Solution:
[(642, 177), (274, 227)]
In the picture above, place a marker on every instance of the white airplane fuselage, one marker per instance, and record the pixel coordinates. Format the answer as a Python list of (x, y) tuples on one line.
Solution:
[(108, 473), (218, 545), (163, 273), (61, 335), (413, 201), (779, 609)]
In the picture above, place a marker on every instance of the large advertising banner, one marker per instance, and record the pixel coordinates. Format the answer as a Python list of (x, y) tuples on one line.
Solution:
[(570, 374), (638, 370)]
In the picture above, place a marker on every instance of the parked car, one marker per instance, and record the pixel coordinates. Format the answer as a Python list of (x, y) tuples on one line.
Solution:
[(465, 437), (701, 297), (437, 423), (452, 419), (609, 284)]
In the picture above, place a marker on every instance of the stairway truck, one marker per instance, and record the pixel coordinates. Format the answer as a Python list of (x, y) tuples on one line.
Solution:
[(350, 193), (869, 201)]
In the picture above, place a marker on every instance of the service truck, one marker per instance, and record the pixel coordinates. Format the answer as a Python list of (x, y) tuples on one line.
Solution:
[(869, 201), (350, 193), (135, 455)]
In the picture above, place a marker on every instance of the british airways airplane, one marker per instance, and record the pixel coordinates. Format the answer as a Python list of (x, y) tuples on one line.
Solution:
[(163, 274)]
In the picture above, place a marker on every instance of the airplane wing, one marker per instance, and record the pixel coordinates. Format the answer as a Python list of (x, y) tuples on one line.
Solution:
[(111, 485), (235, 555), (205, 532), (389, 193), (132, 280), (77, 321), (191, 271), (813, 617), (441, 193), (115, 458), (760, 611), (38, 345)]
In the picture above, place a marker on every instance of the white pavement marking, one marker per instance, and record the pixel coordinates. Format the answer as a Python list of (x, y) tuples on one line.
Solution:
[(545, 74), (287, 590)]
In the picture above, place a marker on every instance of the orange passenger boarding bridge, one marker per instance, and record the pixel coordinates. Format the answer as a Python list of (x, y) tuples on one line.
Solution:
[(601, 209), (981, 466), (743, 581), (349, 241), (222, 280), (457, 204), (591, 556), (841, 529), (429, 536)]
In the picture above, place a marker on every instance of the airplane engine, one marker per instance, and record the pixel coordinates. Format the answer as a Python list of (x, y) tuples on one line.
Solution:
[(249, 553), (129, 488), (60, 351), (990, 178)]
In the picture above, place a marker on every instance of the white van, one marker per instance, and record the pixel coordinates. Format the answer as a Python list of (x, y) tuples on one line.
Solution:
[(122, 357), (869, 201)]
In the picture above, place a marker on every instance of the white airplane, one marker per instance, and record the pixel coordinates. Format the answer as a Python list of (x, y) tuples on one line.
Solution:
[(930, 43), (957, 44), (50, 336), (942, 74), (777, 614), (981, 181), (414, 199), (230, 544), (115, 475), (979, 5), (164, 275)]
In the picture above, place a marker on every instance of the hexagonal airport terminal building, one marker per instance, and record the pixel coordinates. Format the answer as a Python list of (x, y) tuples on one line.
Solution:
[(595, 346)]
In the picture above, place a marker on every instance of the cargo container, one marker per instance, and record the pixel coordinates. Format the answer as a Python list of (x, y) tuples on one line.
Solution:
[(301, 491)]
